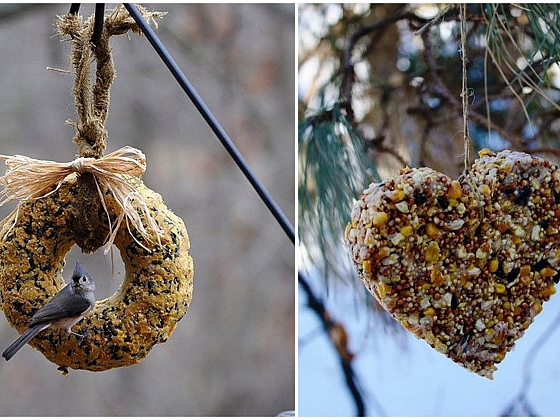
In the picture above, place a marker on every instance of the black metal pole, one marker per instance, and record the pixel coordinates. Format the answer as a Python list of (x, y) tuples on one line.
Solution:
[(74, 8), (98, 23), (211, 120)]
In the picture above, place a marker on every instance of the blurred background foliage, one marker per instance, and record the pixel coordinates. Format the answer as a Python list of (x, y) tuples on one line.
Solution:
[(233, 352)]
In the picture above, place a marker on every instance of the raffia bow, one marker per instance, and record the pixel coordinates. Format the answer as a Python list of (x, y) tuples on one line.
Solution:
[(120, 172)]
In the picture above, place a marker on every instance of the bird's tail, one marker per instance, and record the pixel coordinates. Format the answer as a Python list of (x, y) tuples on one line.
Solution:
[(22, 340)]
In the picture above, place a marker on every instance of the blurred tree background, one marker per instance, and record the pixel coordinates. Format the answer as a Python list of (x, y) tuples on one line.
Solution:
[(233, 353), (380, 87)]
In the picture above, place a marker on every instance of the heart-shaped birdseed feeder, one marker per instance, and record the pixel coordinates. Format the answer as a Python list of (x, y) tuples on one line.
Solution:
[(464, 264)]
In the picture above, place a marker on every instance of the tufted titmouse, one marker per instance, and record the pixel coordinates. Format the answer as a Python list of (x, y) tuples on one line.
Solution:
[(64, 310)]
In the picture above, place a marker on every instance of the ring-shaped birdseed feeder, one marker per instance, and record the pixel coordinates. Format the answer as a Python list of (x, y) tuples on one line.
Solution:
[(91, 202)]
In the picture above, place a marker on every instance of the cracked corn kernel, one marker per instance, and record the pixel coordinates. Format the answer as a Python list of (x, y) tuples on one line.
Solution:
[(473, 271), (429, 336), (396, 195), (484, 152), (485, 190), (384, 252), (535, 309), (519, 233), (525, 270), (535, 233), (551, 230), (548, 272), (396, 238), (383, 290), (432, 252), (432, 231), (507, 267), (480, 325), (392, 259), (440, 347), (550, 290), (379, 219), (436, 277), (407, 230), (456, 224), (455, 190), (493, 266), (429, 311)]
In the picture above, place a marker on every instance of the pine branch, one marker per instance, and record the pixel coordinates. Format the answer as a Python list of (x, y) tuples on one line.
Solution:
[(344, 356)]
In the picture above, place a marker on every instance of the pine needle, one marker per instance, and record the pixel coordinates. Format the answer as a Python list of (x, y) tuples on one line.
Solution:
[(333, 170)]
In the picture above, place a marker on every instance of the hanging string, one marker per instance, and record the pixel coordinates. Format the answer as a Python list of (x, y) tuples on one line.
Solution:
[(464, 89)]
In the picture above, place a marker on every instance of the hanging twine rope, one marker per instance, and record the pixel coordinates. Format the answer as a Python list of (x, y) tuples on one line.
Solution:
[(119, 172), (464, 89), (92, 101)]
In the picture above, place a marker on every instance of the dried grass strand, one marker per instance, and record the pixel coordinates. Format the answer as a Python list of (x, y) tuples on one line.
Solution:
[(119, 172)]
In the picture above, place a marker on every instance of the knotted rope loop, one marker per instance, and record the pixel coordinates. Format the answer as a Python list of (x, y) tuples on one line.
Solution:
[(92, 100)]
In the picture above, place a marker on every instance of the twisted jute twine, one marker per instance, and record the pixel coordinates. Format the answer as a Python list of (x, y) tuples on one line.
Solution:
[(119, 172), (464, 89)]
